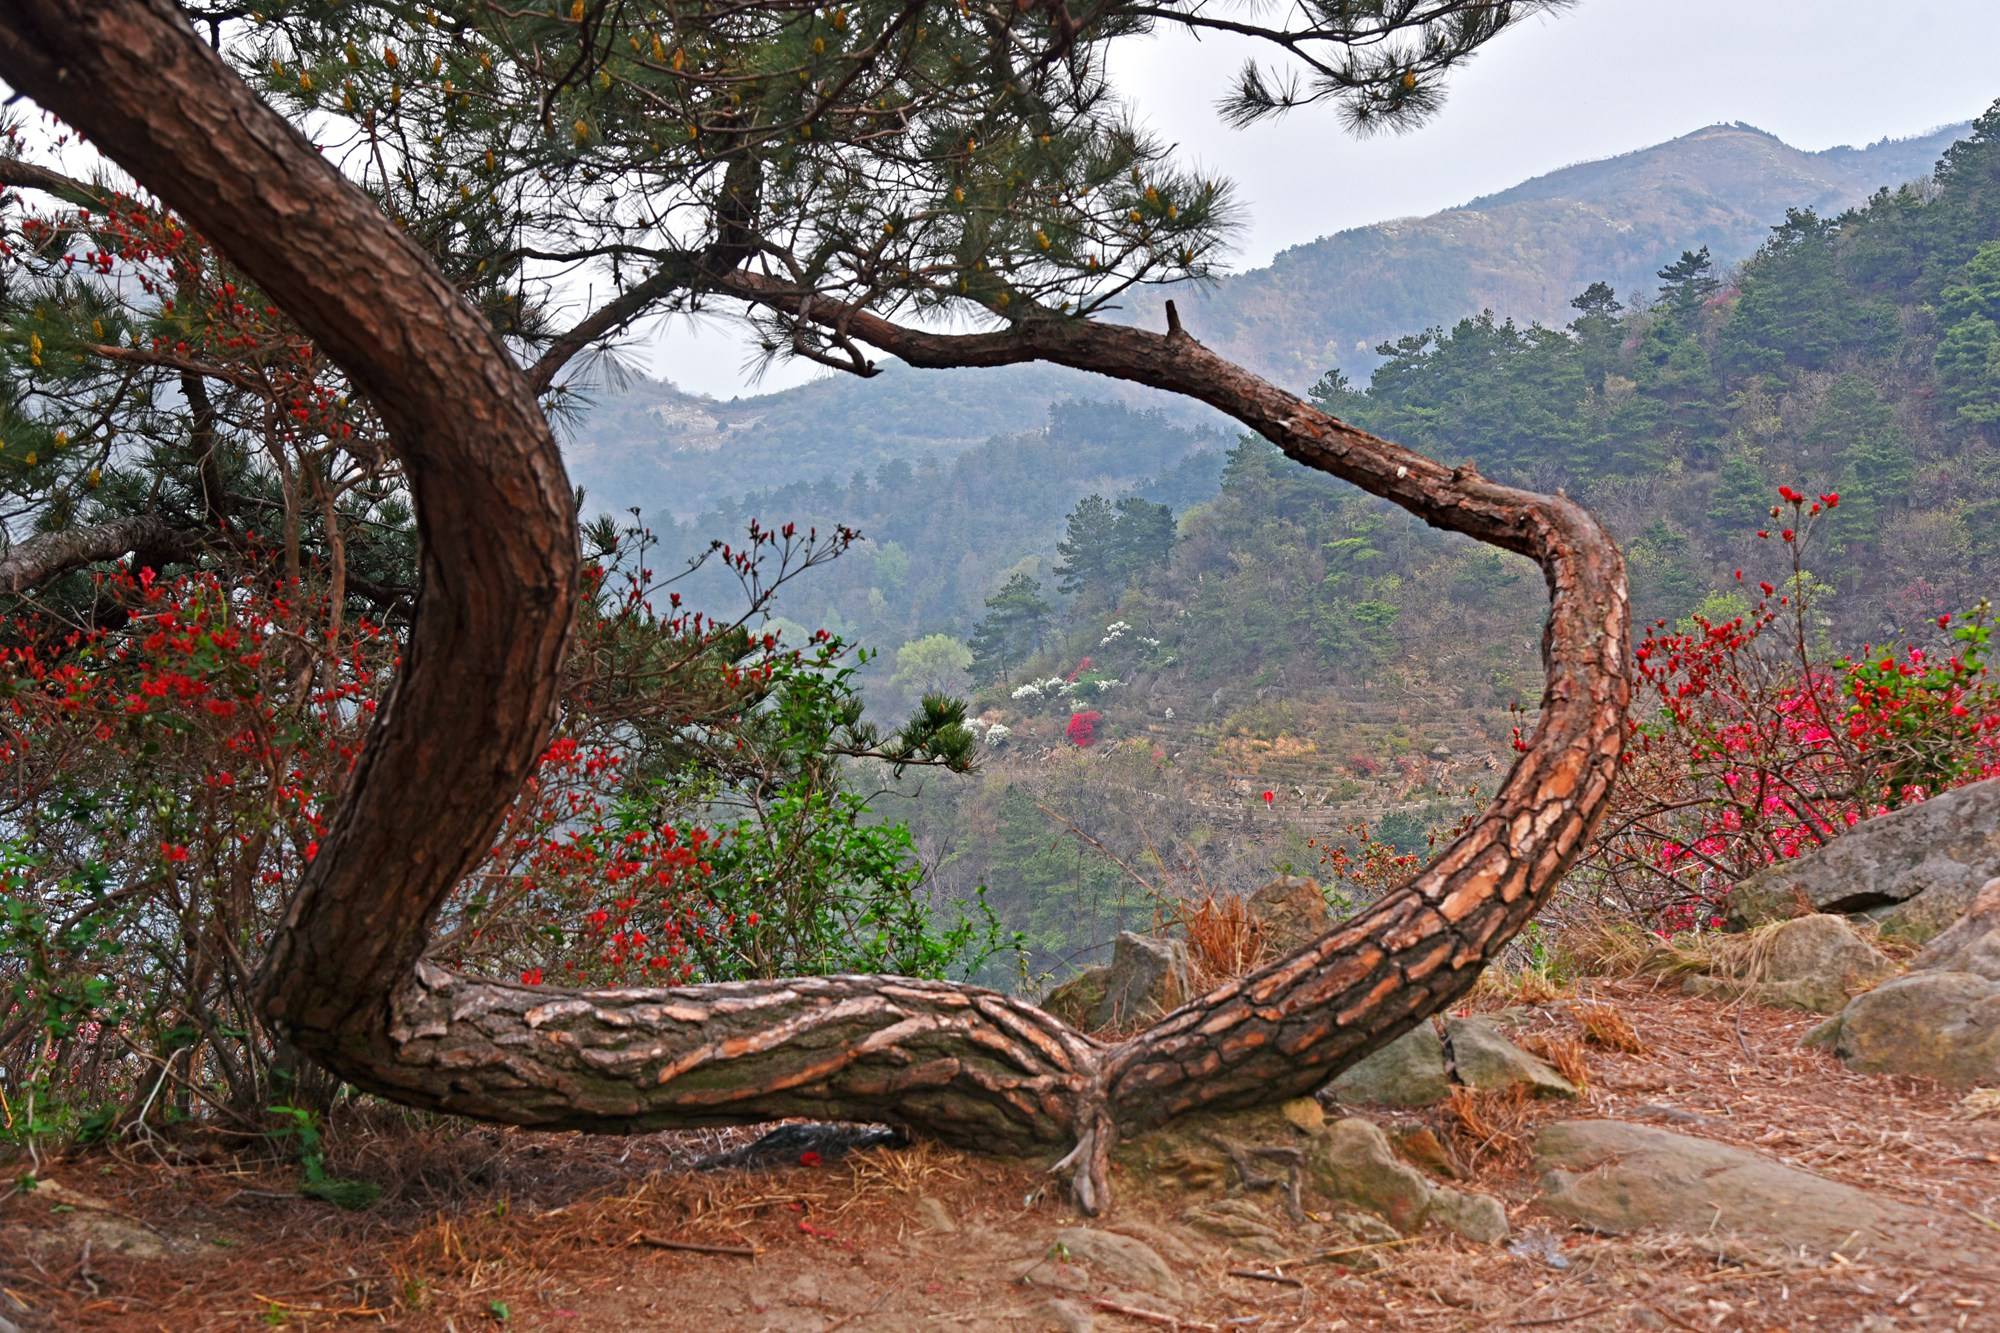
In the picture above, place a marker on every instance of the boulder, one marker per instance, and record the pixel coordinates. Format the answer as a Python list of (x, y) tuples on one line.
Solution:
[(1482, 1058), (1812, 962), (1480, 1218), (1122, 1260), (1972, 944), (1146, 977), (1941, 1025), (1409, 1071), (1616, 1177), (1077, 1000), (1914, 870), (1352, 1161), (1243, 1224), (1291, 910)]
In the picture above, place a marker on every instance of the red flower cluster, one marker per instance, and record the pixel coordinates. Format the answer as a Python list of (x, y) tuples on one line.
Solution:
[(1082, 728)]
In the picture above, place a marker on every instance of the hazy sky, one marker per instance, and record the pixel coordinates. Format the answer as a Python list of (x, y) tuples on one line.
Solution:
[(1605, 77)]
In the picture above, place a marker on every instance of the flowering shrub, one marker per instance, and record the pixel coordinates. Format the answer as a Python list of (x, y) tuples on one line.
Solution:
[(170, 768), (1751, 745), (1082, 729)]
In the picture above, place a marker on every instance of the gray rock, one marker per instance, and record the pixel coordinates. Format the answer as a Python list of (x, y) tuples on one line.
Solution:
[(1812, 962), (1941, 1025), (1148, 976), (1077, 1000), (1292, 910), (1365, 1229), (1241, 1222), (1354, 1163), (1068, 1317), (1409, 1071), (1482, 1058), (1915, 870), (1122, 1260), (1366, 1240), (1617, 1177), (1972, 944), (934, 1216), (1477, 1217)]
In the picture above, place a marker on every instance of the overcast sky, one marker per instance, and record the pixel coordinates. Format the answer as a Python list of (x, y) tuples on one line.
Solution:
[(1605, 77)]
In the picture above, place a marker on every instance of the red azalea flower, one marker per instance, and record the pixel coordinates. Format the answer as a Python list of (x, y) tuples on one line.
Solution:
[(809, 1158), (1270, 797)]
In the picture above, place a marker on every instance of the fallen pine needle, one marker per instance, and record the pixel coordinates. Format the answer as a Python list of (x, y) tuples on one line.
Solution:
[(1146, 1316), (1562, 1318), (1328, 1256), (694, 1246), (1257, 1276), (360, 1311)]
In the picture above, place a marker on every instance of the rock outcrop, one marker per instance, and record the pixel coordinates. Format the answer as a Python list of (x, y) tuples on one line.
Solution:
[(1409, 1071), (1941, 1025), (1291, 911), (1914, 870), (1972, 943), (1481, 1057), (1276, 1184), (1146, 977), (1815, 963), (1617, 1177)]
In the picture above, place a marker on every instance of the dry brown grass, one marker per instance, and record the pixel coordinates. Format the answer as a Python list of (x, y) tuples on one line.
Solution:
[(1225, 938), (1565, 1054), (1489, 1129), (1603, 946), (1603, 1025)]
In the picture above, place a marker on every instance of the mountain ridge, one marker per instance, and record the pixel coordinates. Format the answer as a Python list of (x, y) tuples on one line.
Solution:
[(1523, 252)]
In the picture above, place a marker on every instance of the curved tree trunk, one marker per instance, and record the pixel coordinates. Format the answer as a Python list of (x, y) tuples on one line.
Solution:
[(345, 978)]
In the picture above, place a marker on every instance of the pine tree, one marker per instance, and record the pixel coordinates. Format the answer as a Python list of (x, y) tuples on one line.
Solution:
[(1873, 460), (1015, 623), (1686, 283), (1741, 495), (1598, 332), (1142, 536), (1089, 551)]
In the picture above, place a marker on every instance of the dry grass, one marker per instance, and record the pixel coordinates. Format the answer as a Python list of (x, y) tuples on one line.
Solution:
[(1566, 1054), (1225, 938), (1605, 1026), (1489, 1129), (1602, 946)]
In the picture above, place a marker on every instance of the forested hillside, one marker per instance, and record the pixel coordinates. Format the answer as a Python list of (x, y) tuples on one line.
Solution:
[(1303, 641)]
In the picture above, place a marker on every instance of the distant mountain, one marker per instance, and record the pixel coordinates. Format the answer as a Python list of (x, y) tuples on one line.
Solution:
[(1523, 252), (1526, 251)]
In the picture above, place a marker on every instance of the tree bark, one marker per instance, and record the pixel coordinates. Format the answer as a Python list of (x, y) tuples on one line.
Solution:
[(35, 560), (345, 978)]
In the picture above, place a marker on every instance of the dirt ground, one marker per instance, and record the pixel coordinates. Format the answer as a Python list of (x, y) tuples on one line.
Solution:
[(485, 1228)]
